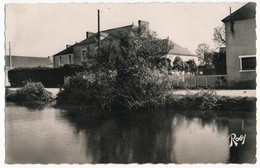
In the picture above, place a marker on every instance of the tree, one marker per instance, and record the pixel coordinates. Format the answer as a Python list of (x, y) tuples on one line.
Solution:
[(219, 62), (204, 53), (178, 64), (128, 71), (220, 36), (192, 66)]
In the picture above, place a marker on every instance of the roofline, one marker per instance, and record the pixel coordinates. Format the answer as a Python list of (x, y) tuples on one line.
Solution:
[(57, 54), (183, 54), (227, 18), (94, 34), (61, 54), (117, 28), (25, 56)]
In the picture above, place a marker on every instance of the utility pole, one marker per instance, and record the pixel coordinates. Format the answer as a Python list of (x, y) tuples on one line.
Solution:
[(98, 28), (10, 56)]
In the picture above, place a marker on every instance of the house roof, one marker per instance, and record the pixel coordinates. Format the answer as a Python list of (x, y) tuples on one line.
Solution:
[(91, 39), (105, 33), (117, 31), (245, 12), (68, 50), (179, 50), (24, 61)]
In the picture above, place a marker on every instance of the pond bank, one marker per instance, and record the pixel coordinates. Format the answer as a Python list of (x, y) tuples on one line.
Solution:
[(232, 93), (190, 99)]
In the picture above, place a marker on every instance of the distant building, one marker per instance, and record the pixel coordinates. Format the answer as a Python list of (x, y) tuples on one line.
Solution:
[(241, 47), (183, 53), (24, 61), (80, 52)]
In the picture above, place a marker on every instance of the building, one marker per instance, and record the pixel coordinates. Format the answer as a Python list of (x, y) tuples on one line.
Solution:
[(24, 61), (183, 53), (80, 52), (241, 47)]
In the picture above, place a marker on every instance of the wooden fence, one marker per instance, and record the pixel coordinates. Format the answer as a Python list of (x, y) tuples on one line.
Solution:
[(193, 81)]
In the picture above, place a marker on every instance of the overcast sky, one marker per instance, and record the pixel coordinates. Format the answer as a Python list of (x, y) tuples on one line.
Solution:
[(44, 29)]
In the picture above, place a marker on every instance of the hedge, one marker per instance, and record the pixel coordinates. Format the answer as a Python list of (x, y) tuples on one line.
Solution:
[(49, 77)]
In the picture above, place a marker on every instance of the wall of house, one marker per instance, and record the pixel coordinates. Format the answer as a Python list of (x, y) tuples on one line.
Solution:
[(64, 60), (241, 42), (78, 56)]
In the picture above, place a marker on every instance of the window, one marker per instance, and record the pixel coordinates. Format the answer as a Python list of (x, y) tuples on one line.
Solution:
[(69, 59), (247, 63), (84, 54), (59, 60)]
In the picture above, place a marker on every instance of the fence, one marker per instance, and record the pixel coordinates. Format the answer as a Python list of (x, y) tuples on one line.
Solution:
[(193, 81)]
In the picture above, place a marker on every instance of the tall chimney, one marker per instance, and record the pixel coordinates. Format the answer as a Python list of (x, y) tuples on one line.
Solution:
[(89, 34), (143, 24), (98, 28)]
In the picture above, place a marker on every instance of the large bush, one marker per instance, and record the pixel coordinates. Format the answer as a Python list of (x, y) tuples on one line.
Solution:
[(128, 71), (88, 89), (49, 77), (31, 92), (203, 100)]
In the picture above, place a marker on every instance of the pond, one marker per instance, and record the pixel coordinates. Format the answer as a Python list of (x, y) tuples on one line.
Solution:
[(51, 135)]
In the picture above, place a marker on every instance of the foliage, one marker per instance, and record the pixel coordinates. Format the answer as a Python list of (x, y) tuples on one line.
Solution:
[(88, 89), (49, 77), (128, 71), (187, 66), (31, 92), (219, 62), (192, 66), (204, 100), (237, 103), (220, 36), (209, 100), (204, 52), (178, 64)]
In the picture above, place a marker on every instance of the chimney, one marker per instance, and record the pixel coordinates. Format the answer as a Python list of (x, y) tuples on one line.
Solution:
[(89, 34), (143, 24), (67, 46)]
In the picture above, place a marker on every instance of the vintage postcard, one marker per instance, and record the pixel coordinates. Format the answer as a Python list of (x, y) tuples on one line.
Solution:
[(130, 83)]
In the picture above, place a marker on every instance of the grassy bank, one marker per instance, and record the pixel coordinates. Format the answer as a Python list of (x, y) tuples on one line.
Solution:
[(209, 100), (31, 92), (206, 100)]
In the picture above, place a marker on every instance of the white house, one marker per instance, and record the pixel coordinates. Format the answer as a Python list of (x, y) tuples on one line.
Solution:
[(183, 53)]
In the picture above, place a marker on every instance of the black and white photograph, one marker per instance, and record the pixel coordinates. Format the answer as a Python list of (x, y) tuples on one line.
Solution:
[(129, 83)]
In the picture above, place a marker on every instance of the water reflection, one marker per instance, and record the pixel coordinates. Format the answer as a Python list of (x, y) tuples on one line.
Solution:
[(79, 136)]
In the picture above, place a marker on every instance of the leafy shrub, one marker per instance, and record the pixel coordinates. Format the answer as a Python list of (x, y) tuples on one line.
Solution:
[(209, 100), (88, 89), (237, 103), (30, 92), (49, 77), (10, 94), (129, 71), (204, 100)]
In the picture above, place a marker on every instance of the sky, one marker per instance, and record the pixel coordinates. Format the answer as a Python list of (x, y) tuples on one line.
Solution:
[(42, 30)]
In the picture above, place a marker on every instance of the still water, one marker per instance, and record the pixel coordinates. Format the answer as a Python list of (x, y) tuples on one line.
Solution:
[(51, 135)]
